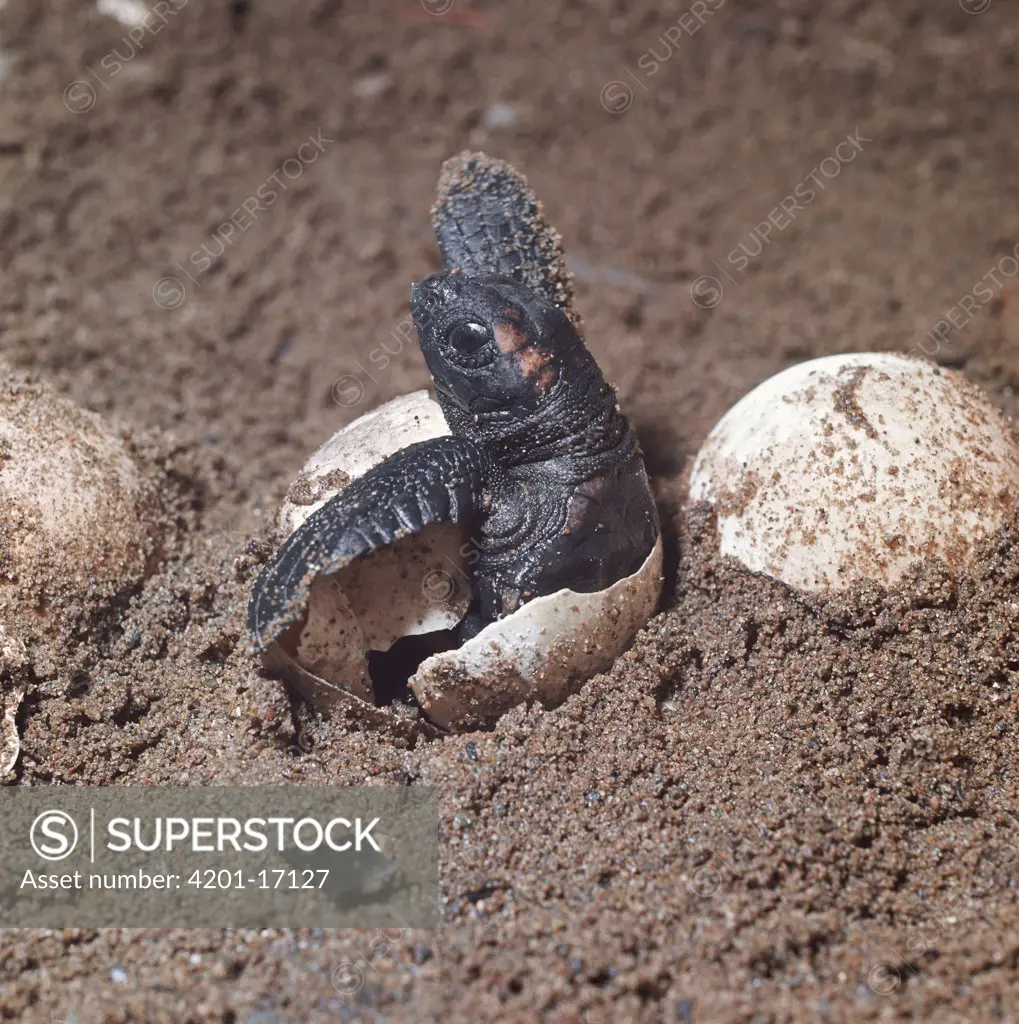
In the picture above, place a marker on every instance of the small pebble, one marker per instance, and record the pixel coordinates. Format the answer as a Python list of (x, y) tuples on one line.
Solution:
[(127, 12), (369, 86), (499, 115)]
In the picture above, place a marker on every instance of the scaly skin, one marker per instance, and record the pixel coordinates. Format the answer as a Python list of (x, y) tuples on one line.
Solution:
[(488, 221), (542, 468), (432, 482), (569, 503)]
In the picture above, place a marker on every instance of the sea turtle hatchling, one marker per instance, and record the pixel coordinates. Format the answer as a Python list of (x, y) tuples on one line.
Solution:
[(539, 471)]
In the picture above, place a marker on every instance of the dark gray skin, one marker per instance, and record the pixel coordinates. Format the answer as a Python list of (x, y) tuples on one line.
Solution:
[(542, 469), (566, 501)]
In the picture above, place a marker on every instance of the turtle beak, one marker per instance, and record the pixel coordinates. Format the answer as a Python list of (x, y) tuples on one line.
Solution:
[(427, 297), (438, 286), (424, 294), (418, 290)]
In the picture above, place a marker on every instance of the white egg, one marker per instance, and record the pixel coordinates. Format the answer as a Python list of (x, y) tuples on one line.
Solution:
[(77, 513), (421, 584), (855, 466)]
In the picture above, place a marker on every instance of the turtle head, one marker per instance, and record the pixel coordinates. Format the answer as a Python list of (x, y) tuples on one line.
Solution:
[(499, 353)]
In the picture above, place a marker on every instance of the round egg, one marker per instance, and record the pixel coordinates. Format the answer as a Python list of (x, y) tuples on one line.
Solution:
[(75, 512), (420, 587), (855, 466)]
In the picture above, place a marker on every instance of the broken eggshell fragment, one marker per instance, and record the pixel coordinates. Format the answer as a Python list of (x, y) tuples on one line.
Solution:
[(421, 584), (359, 447), (417, 585), (544, 651)]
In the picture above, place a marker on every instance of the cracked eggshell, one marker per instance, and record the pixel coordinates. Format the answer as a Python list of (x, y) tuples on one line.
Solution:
[(855, 466), (544, 651), (417, 585), (77, 513), (359, 447)]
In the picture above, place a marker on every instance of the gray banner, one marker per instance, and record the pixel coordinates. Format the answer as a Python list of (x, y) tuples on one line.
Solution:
[(218, 857)]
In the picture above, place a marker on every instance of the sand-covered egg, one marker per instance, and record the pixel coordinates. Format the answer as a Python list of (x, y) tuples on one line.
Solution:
[(855, 466), (420, 587), (76, 511)]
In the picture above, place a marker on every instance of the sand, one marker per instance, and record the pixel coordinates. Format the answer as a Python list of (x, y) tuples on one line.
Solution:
[(769, 809)]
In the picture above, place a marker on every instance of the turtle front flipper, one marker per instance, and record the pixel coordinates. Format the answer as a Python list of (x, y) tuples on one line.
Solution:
[(488, 221), (436, 481)]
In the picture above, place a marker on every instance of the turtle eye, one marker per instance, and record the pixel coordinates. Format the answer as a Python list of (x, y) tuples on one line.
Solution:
[(468, 337)]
